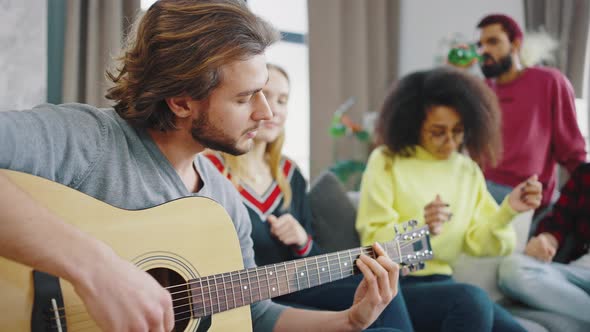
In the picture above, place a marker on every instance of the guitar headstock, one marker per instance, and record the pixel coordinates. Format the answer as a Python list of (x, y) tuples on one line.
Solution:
[(411, 247)]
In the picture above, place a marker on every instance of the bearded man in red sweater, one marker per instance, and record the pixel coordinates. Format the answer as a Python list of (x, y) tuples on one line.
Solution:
[(539, 128)]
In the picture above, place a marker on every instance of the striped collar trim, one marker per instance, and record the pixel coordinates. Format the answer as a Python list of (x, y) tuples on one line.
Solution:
[(263, 205)]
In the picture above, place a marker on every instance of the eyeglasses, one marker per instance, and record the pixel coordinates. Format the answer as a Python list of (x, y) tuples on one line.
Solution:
[(441, 137)]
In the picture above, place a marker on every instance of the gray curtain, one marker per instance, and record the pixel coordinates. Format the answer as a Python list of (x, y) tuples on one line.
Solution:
[(353, 50), (94, 34), (567, 21)]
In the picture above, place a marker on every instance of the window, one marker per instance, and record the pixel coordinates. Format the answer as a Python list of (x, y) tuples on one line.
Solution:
[(291, 53), (145, 4)]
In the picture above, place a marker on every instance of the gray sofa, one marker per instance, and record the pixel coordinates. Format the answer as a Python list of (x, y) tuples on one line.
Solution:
[(334, 213)]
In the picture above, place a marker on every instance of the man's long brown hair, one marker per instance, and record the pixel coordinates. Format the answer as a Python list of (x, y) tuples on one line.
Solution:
[(178, 48)]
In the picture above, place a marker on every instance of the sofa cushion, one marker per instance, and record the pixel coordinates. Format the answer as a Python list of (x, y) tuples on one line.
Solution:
[(333, 214), (483, 271)]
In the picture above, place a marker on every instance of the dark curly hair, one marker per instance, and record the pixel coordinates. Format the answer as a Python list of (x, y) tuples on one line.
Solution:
[(405, 108), (178, 49)]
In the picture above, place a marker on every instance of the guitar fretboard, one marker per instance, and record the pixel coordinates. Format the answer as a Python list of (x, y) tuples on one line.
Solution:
[(221, 292)]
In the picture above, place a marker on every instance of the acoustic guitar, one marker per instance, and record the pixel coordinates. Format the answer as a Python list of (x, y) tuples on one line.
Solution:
[(190, 246)]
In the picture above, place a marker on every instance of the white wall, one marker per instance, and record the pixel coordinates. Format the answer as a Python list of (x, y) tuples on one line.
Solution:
[(424, 23), (294, 59), (23, 53), (291, 16)]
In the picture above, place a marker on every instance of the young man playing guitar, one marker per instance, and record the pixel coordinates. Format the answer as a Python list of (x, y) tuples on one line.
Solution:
[(192, 79)]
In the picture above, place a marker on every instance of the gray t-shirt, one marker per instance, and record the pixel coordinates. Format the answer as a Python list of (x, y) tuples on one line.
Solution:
[(96, 152)]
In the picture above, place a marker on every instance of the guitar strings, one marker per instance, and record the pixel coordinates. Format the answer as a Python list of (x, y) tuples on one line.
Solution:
[(225, 303), (243, 277), (92, 324), (239, 294), (248, 278), (87, 324), (257, 275), (226, 299), (71, 322)]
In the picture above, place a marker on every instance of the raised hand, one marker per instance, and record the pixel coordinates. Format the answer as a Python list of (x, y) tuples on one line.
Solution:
[(435, 214), (287, 229), (376, 290), (527, 195)]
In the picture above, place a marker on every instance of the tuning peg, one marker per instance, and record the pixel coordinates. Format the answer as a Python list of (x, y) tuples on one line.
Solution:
[(405, 226), (395, 229), (413, 223), (421, 265)]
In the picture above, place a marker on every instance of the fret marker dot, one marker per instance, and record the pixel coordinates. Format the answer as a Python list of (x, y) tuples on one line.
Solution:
[(323, 269), (273, 289), (345, 264), (302, 274), (270, 273), (245, 287)]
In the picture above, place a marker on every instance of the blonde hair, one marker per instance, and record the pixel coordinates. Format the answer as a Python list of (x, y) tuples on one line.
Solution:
[(272, 157)]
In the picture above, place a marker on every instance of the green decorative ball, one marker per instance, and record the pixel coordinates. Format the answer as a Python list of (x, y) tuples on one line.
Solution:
[(337, 130)]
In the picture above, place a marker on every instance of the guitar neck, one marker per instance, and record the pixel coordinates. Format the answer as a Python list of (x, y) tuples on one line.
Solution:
[(221, 292)]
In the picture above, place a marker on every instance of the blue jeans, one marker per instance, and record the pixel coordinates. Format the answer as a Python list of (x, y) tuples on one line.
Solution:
[(556, 287), (438, 303), (339, 295)]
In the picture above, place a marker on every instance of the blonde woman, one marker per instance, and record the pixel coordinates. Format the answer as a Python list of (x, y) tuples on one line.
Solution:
[(274, 191)]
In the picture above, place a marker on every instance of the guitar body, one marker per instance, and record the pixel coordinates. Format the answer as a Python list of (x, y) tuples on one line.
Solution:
[(189, 237)]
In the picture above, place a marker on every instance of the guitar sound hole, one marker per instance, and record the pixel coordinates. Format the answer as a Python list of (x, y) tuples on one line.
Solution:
[(180, 295)]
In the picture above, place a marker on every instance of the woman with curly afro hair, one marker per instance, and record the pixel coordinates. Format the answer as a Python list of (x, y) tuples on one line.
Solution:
[(436, 128)]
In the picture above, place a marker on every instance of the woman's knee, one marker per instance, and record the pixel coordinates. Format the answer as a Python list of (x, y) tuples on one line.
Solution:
[(473, 306), (474, 298), (513, 272)]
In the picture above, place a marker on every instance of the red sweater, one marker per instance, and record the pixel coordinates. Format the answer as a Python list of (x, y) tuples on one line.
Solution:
[(539, 129)]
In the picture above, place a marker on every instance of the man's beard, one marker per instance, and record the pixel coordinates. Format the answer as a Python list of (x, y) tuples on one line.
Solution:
[(214, 138), (498, 68)]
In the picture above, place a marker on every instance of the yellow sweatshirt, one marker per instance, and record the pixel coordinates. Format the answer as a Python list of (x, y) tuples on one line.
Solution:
[(396, 189)]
